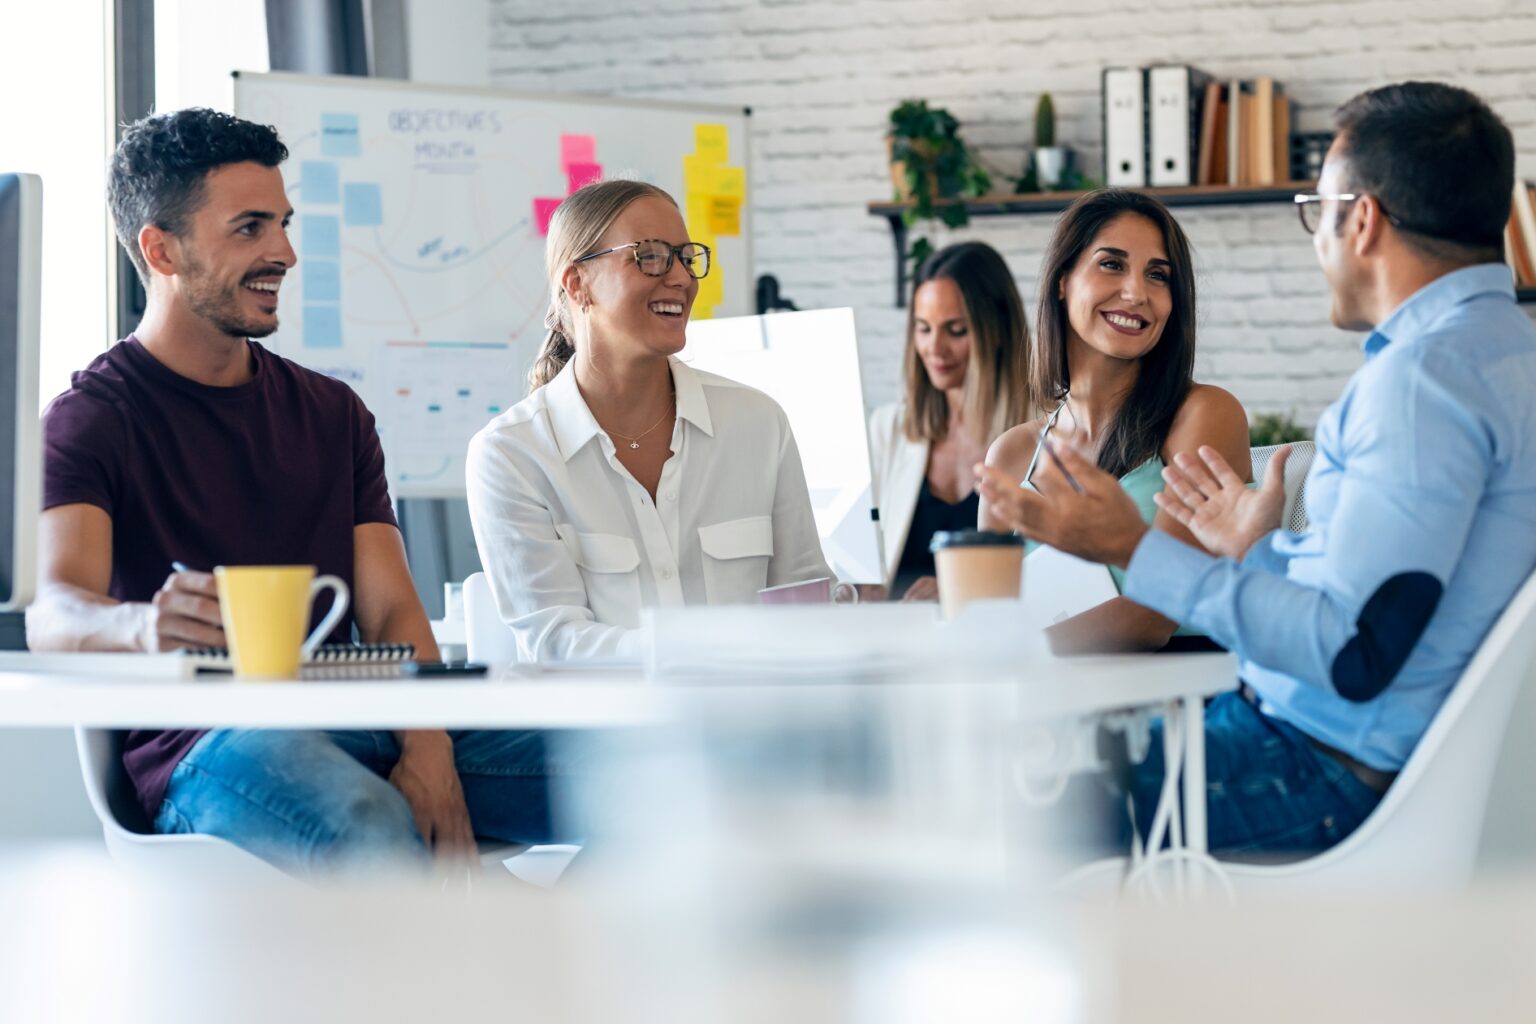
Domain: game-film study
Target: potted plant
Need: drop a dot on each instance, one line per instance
(931, 163)
(1275, 428)
(1050, 159)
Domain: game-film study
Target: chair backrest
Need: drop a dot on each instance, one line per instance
(1296, 470)
(1425, 831)
(486, 636)
(129, 835)
(106, 783)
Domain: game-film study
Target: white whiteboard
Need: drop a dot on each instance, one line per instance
(809, 363)
(418, 217)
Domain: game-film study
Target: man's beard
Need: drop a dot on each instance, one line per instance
(221, 306)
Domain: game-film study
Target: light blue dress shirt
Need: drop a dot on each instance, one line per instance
(1422, 503)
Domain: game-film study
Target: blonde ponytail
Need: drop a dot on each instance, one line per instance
(556, 351)
(575, 228)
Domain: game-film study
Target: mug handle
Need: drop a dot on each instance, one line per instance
(338, 609)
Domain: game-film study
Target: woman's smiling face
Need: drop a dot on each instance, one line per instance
(628, 306)
(1118, 294)
(941, 331)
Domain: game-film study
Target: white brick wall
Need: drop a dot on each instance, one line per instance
(821, 78)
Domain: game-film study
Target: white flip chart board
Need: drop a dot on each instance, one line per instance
(419, 218)
(809, 363)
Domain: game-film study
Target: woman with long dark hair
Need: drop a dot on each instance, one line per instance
(1113, 365)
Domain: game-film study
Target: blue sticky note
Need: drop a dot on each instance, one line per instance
(338, 135)
(322, 280)
(320, 236)
(319, 182)
(322, 326)
(363, 206)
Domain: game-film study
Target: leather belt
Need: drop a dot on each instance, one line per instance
(1374, 779)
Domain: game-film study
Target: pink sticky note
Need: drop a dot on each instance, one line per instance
(578, 175)
(543, 209)
(577, 149)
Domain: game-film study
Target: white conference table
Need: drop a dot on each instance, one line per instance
(105, 691)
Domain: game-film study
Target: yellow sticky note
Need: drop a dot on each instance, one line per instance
(721, 181)
(725, 215)
(712, 141)
(696, 211)
(696, 172)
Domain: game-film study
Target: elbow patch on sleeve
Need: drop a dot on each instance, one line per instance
(1389, 625)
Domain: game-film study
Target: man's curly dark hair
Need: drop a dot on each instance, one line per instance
(158, 173)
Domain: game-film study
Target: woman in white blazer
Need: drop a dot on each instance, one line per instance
(627, 479)
(966, 377)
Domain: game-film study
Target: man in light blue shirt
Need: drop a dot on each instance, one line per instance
(1422, 498)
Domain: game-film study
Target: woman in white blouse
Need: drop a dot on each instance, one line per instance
(627, 479)
(966, 375)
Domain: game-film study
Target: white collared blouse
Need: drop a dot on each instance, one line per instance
(573, 546)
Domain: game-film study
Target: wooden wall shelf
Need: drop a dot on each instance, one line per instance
(1055, 202)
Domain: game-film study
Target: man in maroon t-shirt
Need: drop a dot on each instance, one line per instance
(187, 442)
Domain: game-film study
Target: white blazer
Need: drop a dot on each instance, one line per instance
(574, 547)
(898, 466)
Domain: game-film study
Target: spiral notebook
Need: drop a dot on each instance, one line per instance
(351, 661)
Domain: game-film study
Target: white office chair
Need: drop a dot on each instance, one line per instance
(487, 637)
(133, 843)
(1296, 469)
(130, 839)
(1425, 832)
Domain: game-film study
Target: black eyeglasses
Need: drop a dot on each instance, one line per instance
(654, 257)
(1309, 206)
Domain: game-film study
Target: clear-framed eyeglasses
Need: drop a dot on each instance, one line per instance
(1309, 207)
(654, 257)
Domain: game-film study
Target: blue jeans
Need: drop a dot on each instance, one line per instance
(313, 803)
(1269, 792)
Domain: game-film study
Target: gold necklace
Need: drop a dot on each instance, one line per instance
(634, 442)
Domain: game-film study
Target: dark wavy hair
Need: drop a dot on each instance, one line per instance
(1440, 163)
(1167, 371)
(158, 173)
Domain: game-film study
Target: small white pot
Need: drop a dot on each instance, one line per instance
(1050, 162)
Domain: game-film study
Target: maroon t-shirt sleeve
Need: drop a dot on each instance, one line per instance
(370, 487)
(83, 452)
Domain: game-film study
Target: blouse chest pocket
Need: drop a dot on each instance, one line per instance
(736, 555)
(609, 564)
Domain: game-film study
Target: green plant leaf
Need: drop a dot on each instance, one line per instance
(920, 251)
(1275, 428)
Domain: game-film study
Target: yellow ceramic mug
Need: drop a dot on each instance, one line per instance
(265, 608)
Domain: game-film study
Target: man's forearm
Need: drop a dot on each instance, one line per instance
(407, 624)
(69, 618)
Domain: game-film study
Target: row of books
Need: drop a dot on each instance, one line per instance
(1177, 125)
(1520, 235)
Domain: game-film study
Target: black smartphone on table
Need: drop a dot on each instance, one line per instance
(439, 669)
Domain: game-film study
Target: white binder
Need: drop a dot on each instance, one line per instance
(1174, 94)
(1125, 130)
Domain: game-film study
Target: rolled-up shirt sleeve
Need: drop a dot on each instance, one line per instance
(536, 583)
(1415, 464)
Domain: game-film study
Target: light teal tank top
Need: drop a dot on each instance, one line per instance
(1140, 483)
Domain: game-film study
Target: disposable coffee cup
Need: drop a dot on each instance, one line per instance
(974, 565)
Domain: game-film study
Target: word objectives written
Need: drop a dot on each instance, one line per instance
(429, 125)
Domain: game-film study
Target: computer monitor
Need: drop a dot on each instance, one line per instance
(21, 454)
